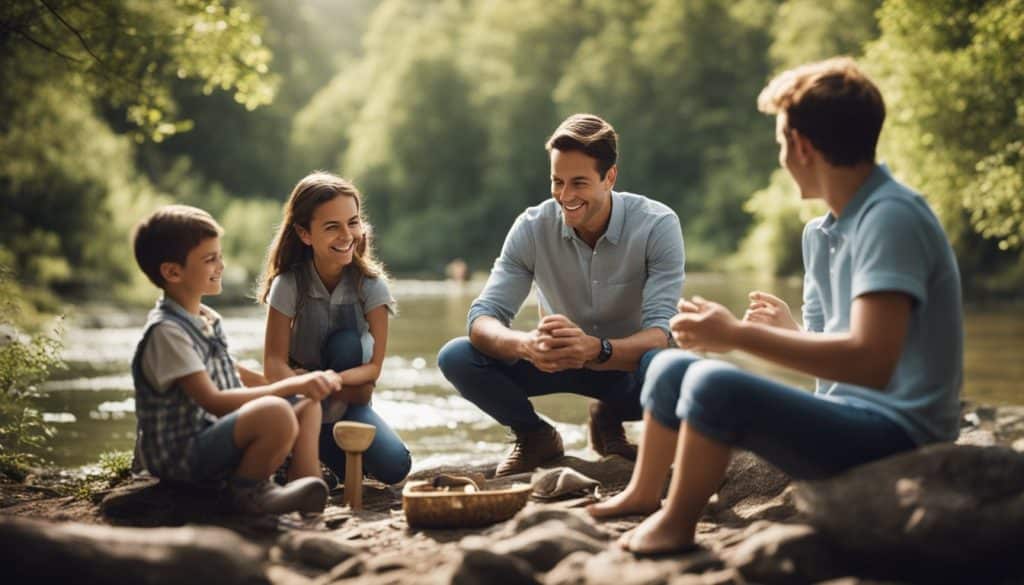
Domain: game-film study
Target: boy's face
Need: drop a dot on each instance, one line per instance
(585, 198)
(201, 274)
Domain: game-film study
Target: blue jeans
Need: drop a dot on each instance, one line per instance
(503, 390)
(808, 436)
(387, 459)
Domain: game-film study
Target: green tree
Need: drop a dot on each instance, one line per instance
(951, 72)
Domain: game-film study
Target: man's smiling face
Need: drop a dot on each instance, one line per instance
(585, 198)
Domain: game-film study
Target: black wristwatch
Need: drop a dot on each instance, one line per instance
(606, 351)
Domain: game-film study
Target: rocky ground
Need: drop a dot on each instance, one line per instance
(944, 514)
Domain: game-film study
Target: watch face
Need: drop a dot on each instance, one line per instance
(606, 351)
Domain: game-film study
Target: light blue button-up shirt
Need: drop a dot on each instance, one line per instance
(888, 239)
(629, 281)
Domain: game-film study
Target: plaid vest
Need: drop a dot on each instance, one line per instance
(169, 421)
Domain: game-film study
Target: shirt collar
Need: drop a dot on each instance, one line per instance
(879, 176)
(316, 288)
(615, 222)
(206, 325)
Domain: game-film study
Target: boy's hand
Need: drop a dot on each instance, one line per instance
(315, 385)
(703, 326)
(769, 310)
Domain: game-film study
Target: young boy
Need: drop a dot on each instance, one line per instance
(882, 328)
(196, 420)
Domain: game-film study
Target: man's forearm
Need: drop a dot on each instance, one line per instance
(493, 338)
(627, 351)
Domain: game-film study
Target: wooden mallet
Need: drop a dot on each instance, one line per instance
(354, 438)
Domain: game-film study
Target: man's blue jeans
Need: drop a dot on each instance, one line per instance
(503, 389)
(806, 435)
(387, 459)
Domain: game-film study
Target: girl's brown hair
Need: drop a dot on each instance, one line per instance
(288, 251)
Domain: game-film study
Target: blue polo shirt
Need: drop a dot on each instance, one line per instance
(888, 239)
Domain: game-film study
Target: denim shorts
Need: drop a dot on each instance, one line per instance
(215, 455)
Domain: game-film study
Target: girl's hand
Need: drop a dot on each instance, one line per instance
(702, 325)
(315, 385)
(769, 310)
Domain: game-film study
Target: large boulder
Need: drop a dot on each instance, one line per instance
(944, 512)
(36, 551)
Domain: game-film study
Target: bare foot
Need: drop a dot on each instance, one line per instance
(658, 534)
(624, 503)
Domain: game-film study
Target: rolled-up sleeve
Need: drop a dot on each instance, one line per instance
(510, 279)
(666, 260)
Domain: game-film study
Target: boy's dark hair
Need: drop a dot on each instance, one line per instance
(590, 135)
(168, 235)
(833, 104)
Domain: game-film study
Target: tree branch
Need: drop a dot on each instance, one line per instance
(74, 31)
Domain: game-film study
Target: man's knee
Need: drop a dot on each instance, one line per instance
(455, 357)
(710, 387)
(394, 465)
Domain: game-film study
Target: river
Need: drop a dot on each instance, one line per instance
(92, 409)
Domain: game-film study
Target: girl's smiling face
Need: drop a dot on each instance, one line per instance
(334, 233)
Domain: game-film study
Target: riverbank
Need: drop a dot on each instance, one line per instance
(952, 513)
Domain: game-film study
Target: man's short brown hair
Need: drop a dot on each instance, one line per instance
(590, 135)
(833, 104)
(168, 235)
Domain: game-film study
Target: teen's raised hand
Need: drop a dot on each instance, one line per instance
(769, 310)
(702, 325)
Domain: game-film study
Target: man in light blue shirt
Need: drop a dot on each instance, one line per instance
(608, 270)
(883, 328)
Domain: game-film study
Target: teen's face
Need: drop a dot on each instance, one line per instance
(334, 232)
(203, 268)
(585, 198)
(789, 158)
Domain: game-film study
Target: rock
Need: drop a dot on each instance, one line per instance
(787, 553)
(615, 567)
(977, 437)
(44, 552)
(570, 570)
(577, 521)
(350, 568)
(545, 545)
(944, 512)
(316, 549)
(750, 478)
(151, 502)
(483, 567)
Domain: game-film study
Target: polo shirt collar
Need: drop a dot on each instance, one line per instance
(878, 177)
(316, 288)
(615, 222)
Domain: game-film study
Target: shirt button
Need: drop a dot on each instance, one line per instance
(832, 250)
(595, 282)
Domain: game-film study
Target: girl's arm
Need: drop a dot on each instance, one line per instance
(275, 346)
(251, 378)
(368, 373)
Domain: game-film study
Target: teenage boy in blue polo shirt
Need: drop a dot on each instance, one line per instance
(882, 328)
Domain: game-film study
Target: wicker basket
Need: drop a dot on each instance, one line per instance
(428, 507)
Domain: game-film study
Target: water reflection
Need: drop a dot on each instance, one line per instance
(93, 410)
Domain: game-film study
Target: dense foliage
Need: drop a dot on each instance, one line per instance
(438, 109)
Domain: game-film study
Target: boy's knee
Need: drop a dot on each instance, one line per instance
(454, 357)
(273, 414)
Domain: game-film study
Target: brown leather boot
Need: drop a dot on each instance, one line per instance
(607, 436)
(530, 450)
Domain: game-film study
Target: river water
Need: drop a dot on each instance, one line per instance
(92, 409)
